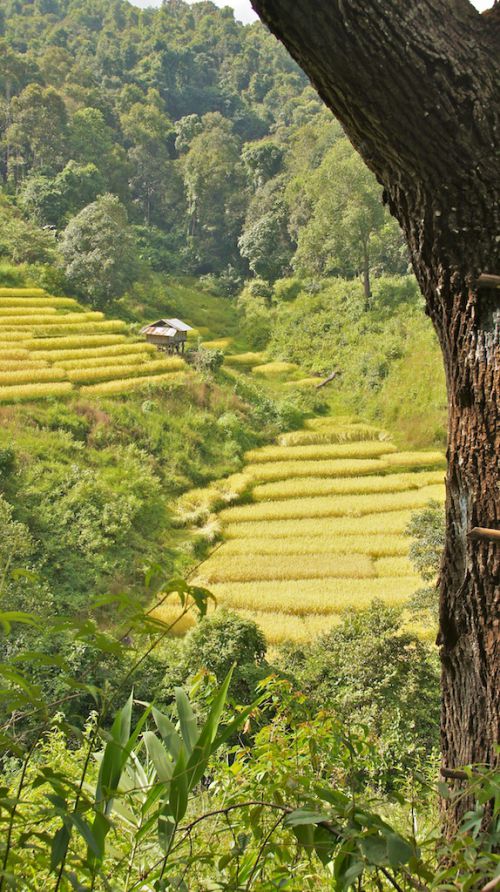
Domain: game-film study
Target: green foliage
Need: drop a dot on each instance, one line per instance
(99, 252)
(369, 667)
(225, 639)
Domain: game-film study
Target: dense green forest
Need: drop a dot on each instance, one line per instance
(220, 157)
(171, 162)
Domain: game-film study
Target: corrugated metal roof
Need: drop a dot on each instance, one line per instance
(178, 324)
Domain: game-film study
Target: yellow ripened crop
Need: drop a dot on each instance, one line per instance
(361, 449)
(269, 369)
(100, 361)
(9, 335)
(31, 376)
(308, 596)
(219, 344)
(57, 320)
(333, 506)
(35, 302)
(245, 358)
(303, 383)
(316, 486)
(332, 434)
(279, 627)
(20, 355)
(391, 522)
(20, 311)
(34, 391)
(394, 566)
(61, 330)
(376, 545)
(196, 504)
(417, 460)
(107, 373)
(287, 470)
(105, 352)
(21, 291)
(75, 341)
(14, 365)
(245, 568)
(123, 386)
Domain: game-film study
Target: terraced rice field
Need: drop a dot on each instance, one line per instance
(324, 530)
(50, 346)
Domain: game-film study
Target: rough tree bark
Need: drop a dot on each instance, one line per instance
(417, 89)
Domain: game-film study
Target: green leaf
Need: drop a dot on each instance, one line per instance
(303, 816)
(59, 846)
(189, 728)
(374, 849)
(398, 850)
(178, 800)
(204, 745)
(324, 844)
(157, 753)
(166, 827)
(168, 733)
(86, 833)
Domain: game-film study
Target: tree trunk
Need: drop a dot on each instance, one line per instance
(366, 278)
(416, 87)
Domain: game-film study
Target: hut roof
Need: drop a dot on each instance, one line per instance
(166, 328)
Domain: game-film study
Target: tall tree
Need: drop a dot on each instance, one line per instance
(416, 87)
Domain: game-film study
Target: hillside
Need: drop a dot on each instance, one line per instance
(321, 528)
(51, 346)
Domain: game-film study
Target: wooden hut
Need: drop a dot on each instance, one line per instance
(169, 335)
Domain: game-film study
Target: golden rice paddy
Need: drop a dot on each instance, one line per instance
(50, 346)
(324, 530)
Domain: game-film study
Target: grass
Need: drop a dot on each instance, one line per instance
(314, 596)
(244, 359)
(360, 449)
(272, 369)
(21, 392)
(318, 486)
(245, 568)
(126, 384)
(377, 545)
(332, 434)
(303, 383)
(370, 524)
(333, 506)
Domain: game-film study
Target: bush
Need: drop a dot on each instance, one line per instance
(224, 639)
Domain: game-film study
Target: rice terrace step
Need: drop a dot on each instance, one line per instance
(51, 346)
(324, 530)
